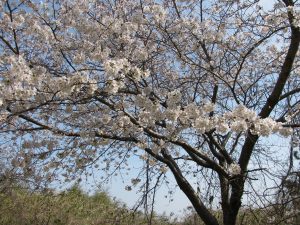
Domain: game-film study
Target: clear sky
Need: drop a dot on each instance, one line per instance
(116, 189)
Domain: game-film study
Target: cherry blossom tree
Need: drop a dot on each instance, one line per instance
(192, 87)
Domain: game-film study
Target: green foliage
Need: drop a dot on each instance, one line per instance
(18, 206)
(73, 207)
(249, 216)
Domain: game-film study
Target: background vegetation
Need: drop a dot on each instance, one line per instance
(20, 206)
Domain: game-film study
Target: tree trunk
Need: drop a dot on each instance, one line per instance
(207, 217)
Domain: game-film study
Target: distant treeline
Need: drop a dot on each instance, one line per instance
(21, 206)
(18, 206)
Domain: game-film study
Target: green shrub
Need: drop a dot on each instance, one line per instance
(73, 207)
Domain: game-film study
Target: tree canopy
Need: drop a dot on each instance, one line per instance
(189, 86)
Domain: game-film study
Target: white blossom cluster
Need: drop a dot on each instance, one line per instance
(21, 82)
(157, 12)
(118, 70)
(238, 120)
(243, 118)
(234, 169)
